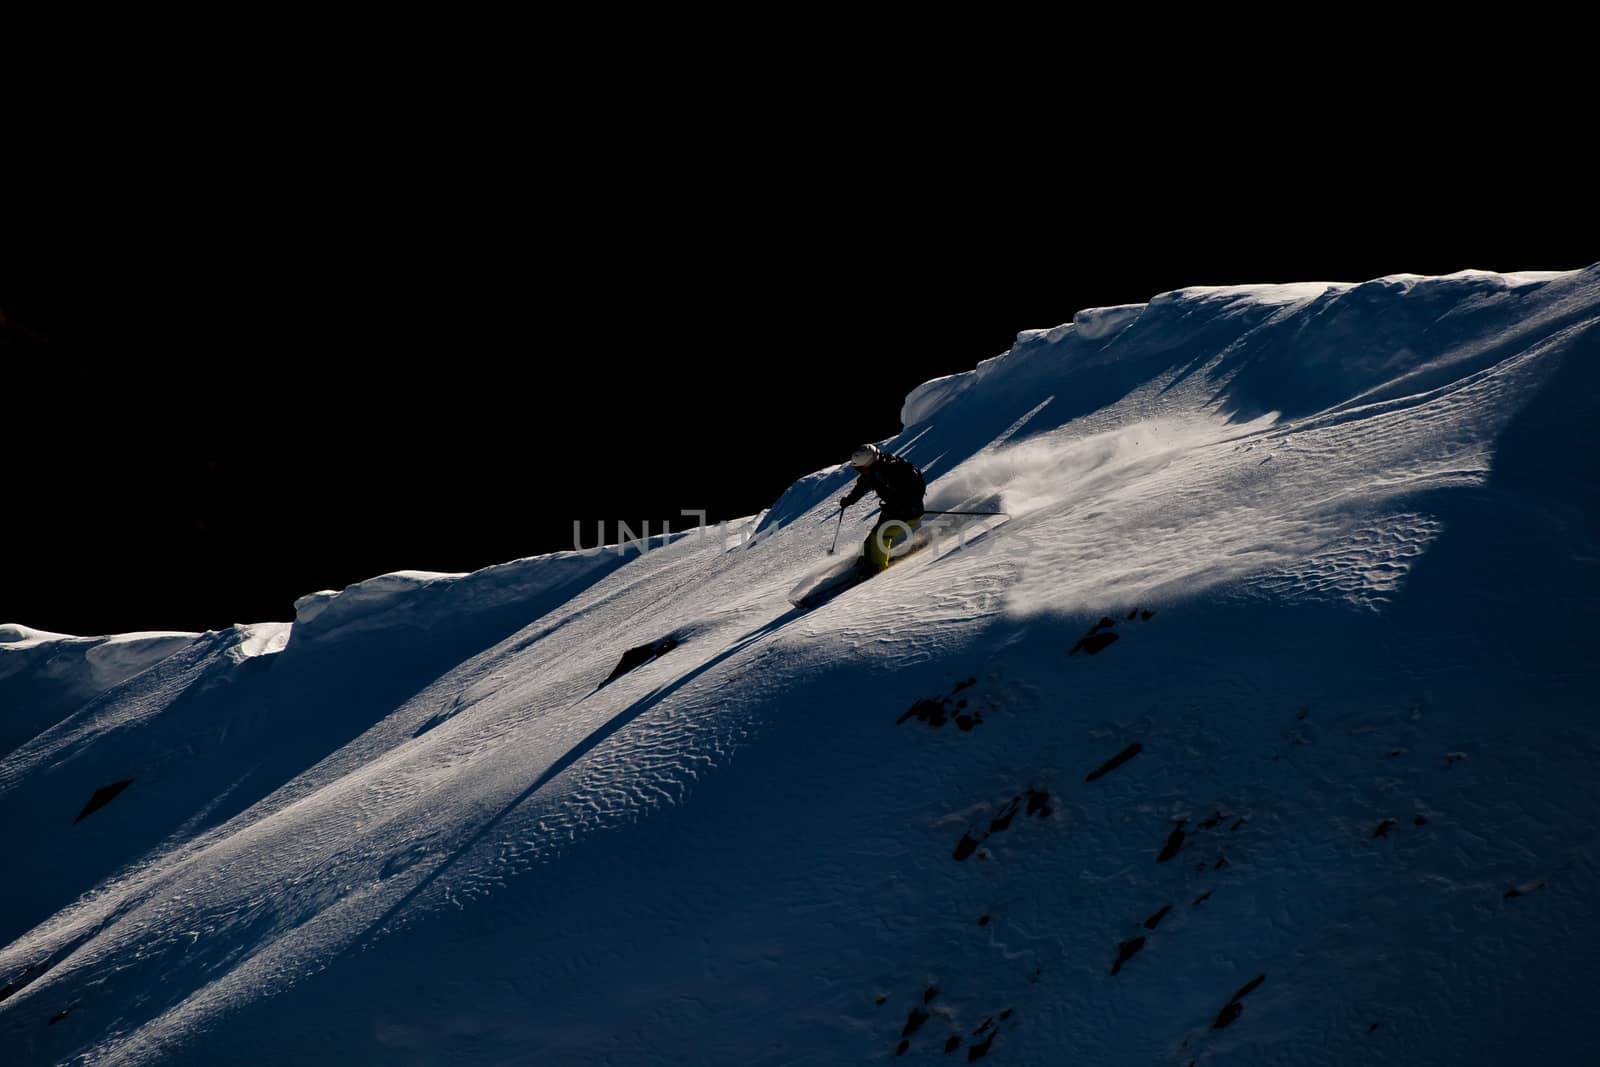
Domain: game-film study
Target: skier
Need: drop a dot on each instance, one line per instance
(899, 485)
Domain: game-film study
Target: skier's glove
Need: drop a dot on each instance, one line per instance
(844, 502)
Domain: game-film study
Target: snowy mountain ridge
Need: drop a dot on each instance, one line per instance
(1257, 680)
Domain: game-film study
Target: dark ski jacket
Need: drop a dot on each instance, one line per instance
(898, 484)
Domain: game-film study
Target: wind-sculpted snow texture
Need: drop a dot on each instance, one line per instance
(1261, 733)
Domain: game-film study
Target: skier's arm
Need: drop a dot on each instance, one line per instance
(855, 494)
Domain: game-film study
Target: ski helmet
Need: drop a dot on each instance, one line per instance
(864, 456)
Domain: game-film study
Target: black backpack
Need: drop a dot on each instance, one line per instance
(901, 478)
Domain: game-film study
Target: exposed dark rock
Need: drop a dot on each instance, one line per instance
(1092, 645)
(1155, 920)
(936, 711)
(437, 720)
(1250, 987)
(1003, 820)
(1126, 951)
(102, 796)
(914, 1021)
(952, 1043)
(978, 1052)
(1115, 761)
(1234, 1009)
(29, 973)
(1039, 803)
(1095, 639)
(639, 655)
(1173, 845)
(931, 712)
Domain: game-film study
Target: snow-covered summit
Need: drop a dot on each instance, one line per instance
(44, 676)
(1256, 735)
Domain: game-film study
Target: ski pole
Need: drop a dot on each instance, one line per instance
(836, 530)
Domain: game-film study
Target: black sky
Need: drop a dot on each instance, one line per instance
(230, 384)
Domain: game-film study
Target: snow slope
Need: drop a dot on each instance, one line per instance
(1279, 670)
(45, 676)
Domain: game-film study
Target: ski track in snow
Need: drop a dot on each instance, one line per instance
(422, 826)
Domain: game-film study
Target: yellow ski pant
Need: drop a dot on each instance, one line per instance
(886, 536)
